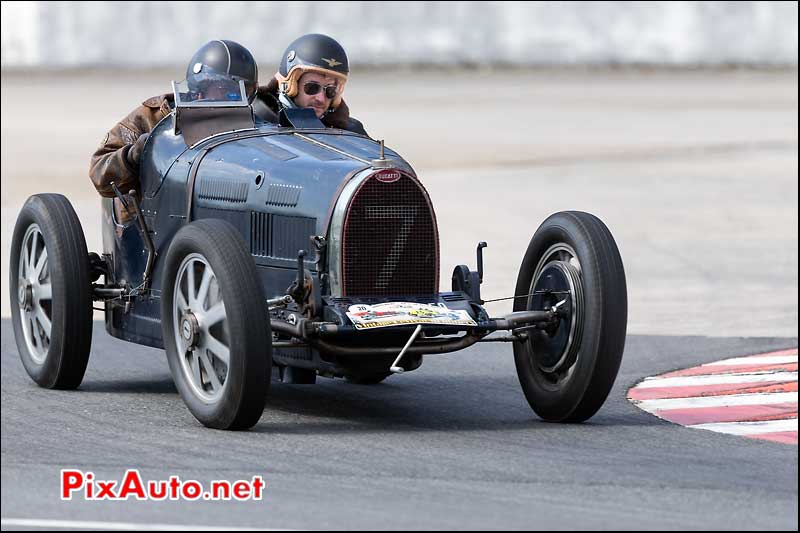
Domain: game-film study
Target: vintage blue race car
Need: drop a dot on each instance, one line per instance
(256, 246)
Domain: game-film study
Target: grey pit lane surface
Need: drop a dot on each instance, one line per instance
(451, 445)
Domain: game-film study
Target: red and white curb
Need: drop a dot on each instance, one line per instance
(753, 396)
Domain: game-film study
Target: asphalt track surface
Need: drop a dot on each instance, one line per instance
(451, 445)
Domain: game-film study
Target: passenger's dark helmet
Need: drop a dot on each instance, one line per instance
(312, 53)
(223, 57)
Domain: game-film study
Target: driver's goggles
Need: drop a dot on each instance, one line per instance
(312, 87)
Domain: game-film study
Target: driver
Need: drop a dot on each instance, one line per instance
(312, 74)
(117, 158)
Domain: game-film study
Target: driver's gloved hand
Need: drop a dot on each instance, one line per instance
(135, 151)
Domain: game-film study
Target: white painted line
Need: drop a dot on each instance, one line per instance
(717, 401)
(117, 526)
(750, 428)
(717, 379)
(756, 360)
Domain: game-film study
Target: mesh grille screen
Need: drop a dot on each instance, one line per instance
(390, 245)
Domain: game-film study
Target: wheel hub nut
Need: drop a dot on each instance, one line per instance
(190, 329)
(25, 296)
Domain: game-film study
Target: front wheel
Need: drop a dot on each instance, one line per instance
(567, 369)
(50, 289)
(215, 325)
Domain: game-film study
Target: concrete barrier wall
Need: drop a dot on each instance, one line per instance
(155, 34)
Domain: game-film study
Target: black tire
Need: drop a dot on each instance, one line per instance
(49, 231)
(226, 313)
(574, 387)
(367, 379)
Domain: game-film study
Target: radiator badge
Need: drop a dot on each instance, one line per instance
(388, 176)
(405, 313)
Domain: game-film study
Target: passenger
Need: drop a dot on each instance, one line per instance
(117, 158)
(312, 74)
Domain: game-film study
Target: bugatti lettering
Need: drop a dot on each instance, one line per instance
(387, 176)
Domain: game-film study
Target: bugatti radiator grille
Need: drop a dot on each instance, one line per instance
(390, 245)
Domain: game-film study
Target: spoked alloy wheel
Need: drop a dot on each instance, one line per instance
(35, 295)
(202, 333)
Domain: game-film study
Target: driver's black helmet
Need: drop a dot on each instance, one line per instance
(226, 58)
(317, 53)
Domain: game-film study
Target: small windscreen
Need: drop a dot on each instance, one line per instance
(211, 90)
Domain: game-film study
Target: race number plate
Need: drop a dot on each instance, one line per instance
(383, 315)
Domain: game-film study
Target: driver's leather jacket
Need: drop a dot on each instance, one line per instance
(109, 162)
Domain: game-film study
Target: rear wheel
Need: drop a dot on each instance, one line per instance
(50, 289)
(567, 369)
(215, 325)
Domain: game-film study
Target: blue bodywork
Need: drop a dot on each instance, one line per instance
(288, 178)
